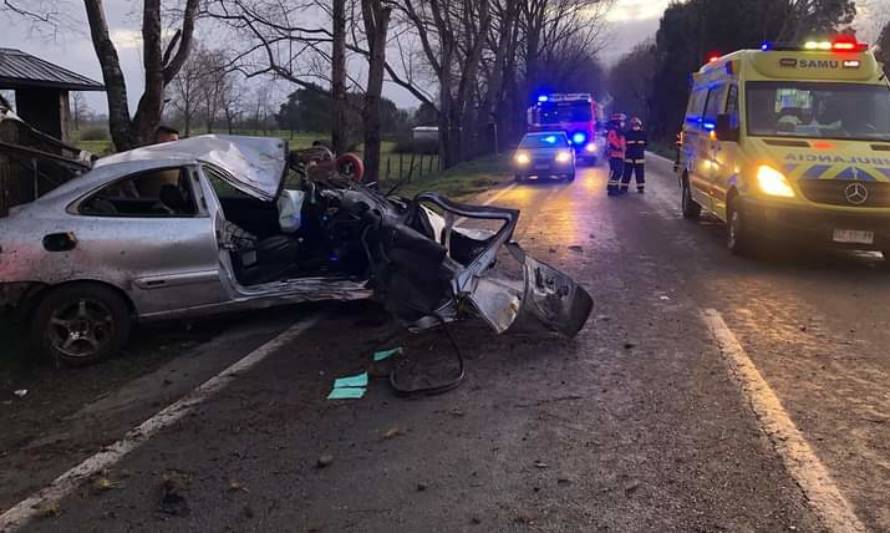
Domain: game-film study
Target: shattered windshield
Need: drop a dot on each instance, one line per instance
(818, 110)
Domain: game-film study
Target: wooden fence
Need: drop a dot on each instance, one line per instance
(398, 167)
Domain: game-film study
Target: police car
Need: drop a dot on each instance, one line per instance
(546, 154)
(791, 143)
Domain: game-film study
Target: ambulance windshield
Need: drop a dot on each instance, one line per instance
(818, 110)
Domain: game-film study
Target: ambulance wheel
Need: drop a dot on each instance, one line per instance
(691, 210)
(570, 177)
(738, 236)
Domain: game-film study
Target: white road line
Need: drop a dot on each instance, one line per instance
(497, 196)
(62, 486)
(800, 461)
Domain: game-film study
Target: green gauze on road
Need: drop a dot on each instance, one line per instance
(386, 354)
(359, 380)
(347, 393)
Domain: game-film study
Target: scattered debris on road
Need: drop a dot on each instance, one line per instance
(383, 355)
(172, 500)
(324, 461)
(350, 387)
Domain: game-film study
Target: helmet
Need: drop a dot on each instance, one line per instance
(636, 122)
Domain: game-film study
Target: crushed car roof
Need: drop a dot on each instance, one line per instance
(258, 163)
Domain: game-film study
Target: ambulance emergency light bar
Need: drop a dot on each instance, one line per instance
(841, 43)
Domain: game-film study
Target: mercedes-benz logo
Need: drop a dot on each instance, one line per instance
(856, 193)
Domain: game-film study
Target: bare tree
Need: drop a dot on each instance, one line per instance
(79, 109)
(161, 65)
(452, 35)
(215, 76)
(185, 90)
(232, 102)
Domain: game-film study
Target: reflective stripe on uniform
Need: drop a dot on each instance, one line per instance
(635, 161)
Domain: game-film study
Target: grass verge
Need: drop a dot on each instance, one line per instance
(466, 179)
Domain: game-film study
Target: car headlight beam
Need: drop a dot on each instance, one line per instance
(563, 156)
(522, 158)
(773, 183)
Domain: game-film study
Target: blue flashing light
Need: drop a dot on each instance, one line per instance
(579, 137)
(550, 139)
(710, 126)
(543, 98)
(766, 46)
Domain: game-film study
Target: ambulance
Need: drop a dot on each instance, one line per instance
(790, 143)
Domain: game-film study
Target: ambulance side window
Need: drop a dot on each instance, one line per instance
(732, 105)
(715, 103)
(696, 104)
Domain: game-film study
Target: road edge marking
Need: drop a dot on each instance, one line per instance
(23, 512)
(801, 462)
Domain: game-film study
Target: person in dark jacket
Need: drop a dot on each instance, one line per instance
(615, 149)
(635, 156)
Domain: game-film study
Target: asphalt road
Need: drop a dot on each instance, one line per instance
(640, 423)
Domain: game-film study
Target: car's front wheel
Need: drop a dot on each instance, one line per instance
(738, 234)
(691, 210)
(81, 324)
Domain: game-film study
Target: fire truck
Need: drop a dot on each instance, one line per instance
(575, 114)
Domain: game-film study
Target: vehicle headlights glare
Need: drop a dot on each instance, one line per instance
(563, 156)
(773, 183)
(522, 158)
(590, 148)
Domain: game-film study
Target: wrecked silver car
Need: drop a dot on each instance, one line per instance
(221, 223)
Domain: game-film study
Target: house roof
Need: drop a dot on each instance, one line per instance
(20, 70)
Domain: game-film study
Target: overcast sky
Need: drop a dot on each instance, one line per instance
(629, 23)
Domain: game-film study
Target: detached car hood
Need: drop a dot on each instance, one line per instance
(255, 165)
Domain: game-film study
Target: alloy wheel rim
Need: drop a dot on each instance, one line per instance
(80, 328)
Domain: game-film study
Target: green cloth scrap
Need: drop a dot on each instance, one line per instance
(347, 393)
(386, 354)
(359, 380)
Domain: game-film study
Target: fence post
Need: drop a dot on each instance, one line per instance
(388, 161)
(420, 172)
(411, 167)
(430, 169)
(401, 160)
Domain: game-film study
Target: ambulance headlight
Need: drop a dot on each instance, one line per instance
(522, 158)
(563, 156)
(773, 183)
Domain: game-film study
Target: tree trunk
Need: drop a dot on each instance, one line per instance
(376, 19)
(338, 75)
(112, 75)
(151, 105)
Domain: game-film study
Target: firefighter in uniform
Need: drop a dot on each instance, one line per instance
(635, 156)
(616, 146)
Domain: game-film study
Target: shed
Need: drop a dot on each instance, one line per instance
(41, 90)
